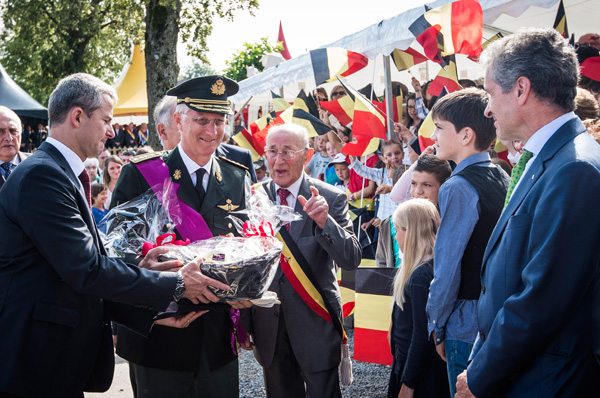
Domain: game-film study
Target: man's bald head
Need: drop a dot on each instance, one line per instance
(10, 134)
(593, 39)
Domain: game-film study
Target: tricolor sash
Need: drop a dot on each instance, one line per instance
(130, 134)
(188, 222)
(296, 269)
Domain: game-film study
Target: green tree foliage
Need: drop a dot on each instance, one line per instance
(43, 41)
(197, 69)
(250, 55)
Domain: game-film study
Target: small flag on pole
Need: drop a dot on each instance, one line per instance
(332, 61)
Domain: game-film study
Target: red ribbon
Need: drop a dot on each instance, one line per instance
(264, 229)
(160, 241)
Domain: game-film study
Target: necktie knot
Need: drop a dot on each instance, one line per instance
(6, 169)
(283, 194)
(516, 174)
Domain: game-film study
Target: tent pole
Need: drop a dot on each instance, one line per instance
(237, 114)
(389, 97)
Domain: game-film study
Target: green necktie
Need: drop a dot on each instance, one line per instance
(516, 173)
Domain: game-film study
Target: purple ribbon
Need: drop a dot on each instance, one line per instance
(237, 329)
(189, 223)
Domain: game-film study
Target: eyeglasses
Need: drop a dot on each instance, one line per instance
(338, 93)
(411, 107)
(286, 154)
(202, 121)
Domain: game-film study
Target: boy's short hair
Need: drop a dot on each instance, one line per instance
(431, 164)
(466, 108)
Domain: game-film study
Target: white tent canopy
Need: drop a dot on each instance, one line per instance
(382, 38)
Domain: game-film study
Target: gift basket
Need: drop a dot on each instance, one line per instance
(247, 264)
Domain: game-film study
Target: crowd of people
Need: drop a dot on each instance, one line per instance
(497, 268)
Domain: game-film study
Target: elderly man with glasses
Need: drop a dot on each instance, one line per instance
(298, 346)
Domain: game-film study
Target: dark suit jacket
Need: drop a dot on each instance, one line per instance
(180, 349)
(237, 154)
(128, 140)
(22, 156)
(117, 141)
(54, 330)
(540, 269)
(314, 340)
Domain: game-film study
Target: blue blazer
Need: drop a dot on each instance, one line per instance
(539, 277)
(55, 337)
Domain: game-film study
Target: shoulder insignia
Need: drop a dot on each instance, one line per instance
(218, 176)
(145, 156)
(234, 162)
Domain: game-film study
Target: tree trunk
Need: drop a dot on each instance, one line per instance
(162, 29)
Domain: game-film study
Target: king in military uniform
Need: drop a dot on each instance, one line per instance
(198, 360)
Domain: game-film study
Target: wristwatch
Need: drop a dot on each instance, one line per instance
(179, 288)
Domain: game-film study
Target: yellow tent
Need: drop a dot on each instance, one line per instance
(131, 87)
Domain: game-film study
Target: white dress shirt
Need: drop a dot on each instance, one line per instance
(192, 167)
(293, 196)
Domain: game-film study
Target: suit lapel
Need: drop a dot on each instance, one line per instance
(180, 174)
(84, 209)
(215, 187)
(566, 133)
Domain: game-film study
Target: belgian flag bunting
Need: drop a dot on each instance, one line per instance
(447, 77)
(560, 23)
(245, 140)
(332, 61)
(342, 109)
(404, 59)
(279, 104)
(455, 28)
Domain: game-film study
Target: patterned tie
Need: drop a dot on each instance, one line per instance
(6, 168)
(516, 173)
(199, 188)
(283, 194)
(85, 181)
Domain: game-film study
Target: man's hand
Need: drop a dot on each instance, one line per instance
(462, 388)
(240, 305)
(151, 261)
(181, 321)
(196, 283)
(246, 344)
(316, 207)
(364, 226)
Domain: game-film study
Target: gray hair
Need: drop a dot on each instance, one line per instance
(164, 110)
(77, 90)
(182, 109)
(298, 133)
(93, 161)
(541, 55)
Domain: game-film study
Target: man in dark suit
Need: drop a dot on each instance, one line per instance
(538, 309)
(10, 142)
(198, 361)
(299, 350)
(119, 138)
(130, 137)
(55, 337)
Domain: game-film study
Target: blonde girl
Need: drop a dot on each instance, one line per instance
(417, 370)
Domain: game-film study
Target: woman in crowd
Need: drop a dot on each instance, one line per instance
(417, 369)
(91, 166)
(99, 197)
(111, 173)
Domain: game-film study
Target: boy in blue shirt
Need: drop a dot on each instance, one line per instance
(470, 202)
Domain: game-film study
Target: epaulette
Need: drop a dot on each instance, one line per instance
(234, 162)
(145, 156)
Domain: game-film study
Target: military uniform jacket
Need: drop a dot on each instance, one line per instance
(180, 349)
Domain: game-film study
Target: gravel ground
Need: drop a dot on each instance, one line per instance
(370, 380)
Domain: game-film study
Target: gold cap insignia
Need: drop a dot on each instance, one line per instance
(218, 88)
(228, 206)
(218, 176)
(177, 174)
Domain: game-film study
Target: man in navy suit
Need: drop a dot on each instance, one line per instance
(538, 309)
(55, 337)
(10, 142)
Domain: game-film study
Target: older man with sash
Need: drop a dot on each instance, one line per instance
(199, 361)
(299, 342)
